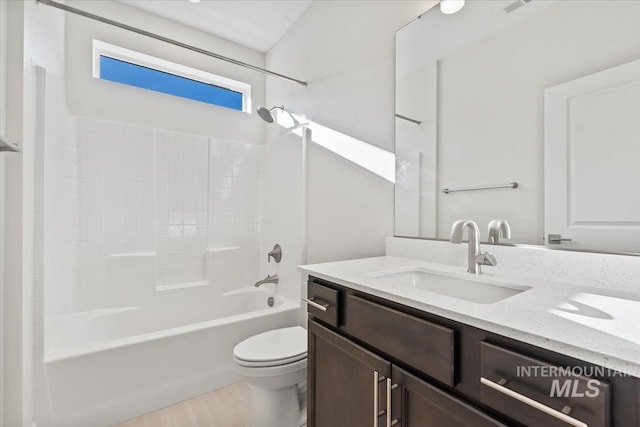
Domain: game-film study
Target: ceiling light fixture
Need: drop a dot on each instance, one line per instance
(449, 7)
(194, 1)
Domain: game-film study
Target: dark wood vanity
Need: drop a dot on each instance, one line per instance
(373, 362)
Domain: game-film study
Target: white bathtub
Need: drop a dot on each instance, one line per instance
(110, 365)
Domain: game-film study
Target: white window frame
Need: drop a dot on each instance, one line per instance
(101, 48)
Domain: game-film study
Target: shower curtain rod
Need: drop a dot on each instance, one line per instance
(104, 20)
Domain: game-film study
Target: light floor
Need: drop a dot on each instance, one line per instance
(225, 407)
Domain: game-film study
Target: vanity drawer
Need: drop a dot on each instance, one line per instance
(538, 393)
(323, 302)
(418, 343)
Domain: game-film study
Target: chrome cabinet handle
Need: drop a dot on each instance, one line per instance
(534, 404)
(388, 402)
(376, 380)
(390, 387)
(314, 303)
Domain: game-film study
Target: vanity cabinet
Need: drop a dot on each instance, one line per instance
(374, 362)
(351, 386)
(345, 382)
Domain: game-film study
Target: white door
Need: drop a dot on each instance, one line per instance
(592, 160)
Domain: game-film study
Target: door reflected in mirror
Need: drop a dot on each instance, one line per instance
(527, 114)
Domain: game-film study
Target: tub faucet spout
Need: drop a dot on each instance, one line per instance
(268, 279)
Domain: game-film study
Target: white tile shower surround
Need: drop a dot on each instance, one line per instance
(60, 210)
(546, 315)
(160, 210)
(110, 258)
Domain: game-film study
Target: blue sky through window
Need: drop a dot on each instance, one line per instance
(147, 78)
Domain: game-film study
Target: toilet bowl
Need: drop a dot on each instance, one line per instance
(274, 365)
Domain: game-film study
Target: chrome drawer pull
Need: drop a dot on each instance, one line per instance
(376, 410)
(313, 303)
(534, 404)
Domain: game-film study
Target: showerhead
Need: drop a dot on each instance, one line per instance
(265, 113)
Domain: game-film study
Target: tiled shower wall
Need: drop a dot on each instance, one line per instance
(181, 207)
(159, 210)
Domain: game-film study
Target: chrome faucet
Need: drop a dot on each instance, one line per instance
(476, 258)
(268, 279)
(499, 228)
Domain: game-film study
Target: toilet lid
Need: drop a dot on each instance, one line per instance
(270, 348)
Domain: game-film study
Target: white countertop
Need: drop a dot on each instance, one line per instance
(596, 325)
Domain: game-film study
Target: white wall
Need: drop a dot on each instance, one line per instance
(345, 50)
(90, 97)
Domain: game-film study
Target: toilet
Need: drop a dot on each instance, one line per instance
(274, 365)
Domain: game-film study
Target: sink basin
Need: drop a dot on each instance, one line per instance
(476, 289)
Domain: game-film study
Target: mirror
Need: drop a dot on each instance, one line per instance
(526, 111)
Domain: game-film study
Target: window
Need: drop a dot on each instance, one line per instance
(125, 66)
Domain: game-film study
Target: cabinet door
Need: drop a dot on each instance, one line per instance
(416, 403)
(344, 381)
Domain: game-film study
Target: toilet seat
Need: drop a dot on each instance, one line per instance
(266, 364)
(272, 348)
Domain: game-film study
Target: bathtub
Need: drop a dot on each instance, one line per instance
(107, 366)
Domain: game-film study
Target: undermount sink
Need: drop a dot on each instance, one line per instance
(476, 289)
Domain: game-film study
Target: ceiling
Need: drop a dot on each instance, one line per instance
(256, 24)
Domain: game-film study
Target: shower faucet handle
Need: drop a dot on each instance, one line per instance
(276, 254)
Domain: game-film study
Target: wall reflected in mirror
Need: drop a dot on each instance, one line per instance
(545, 94)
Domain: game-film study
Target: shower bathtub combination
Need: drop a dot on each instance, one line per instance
(149, 288)
(130, 329)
